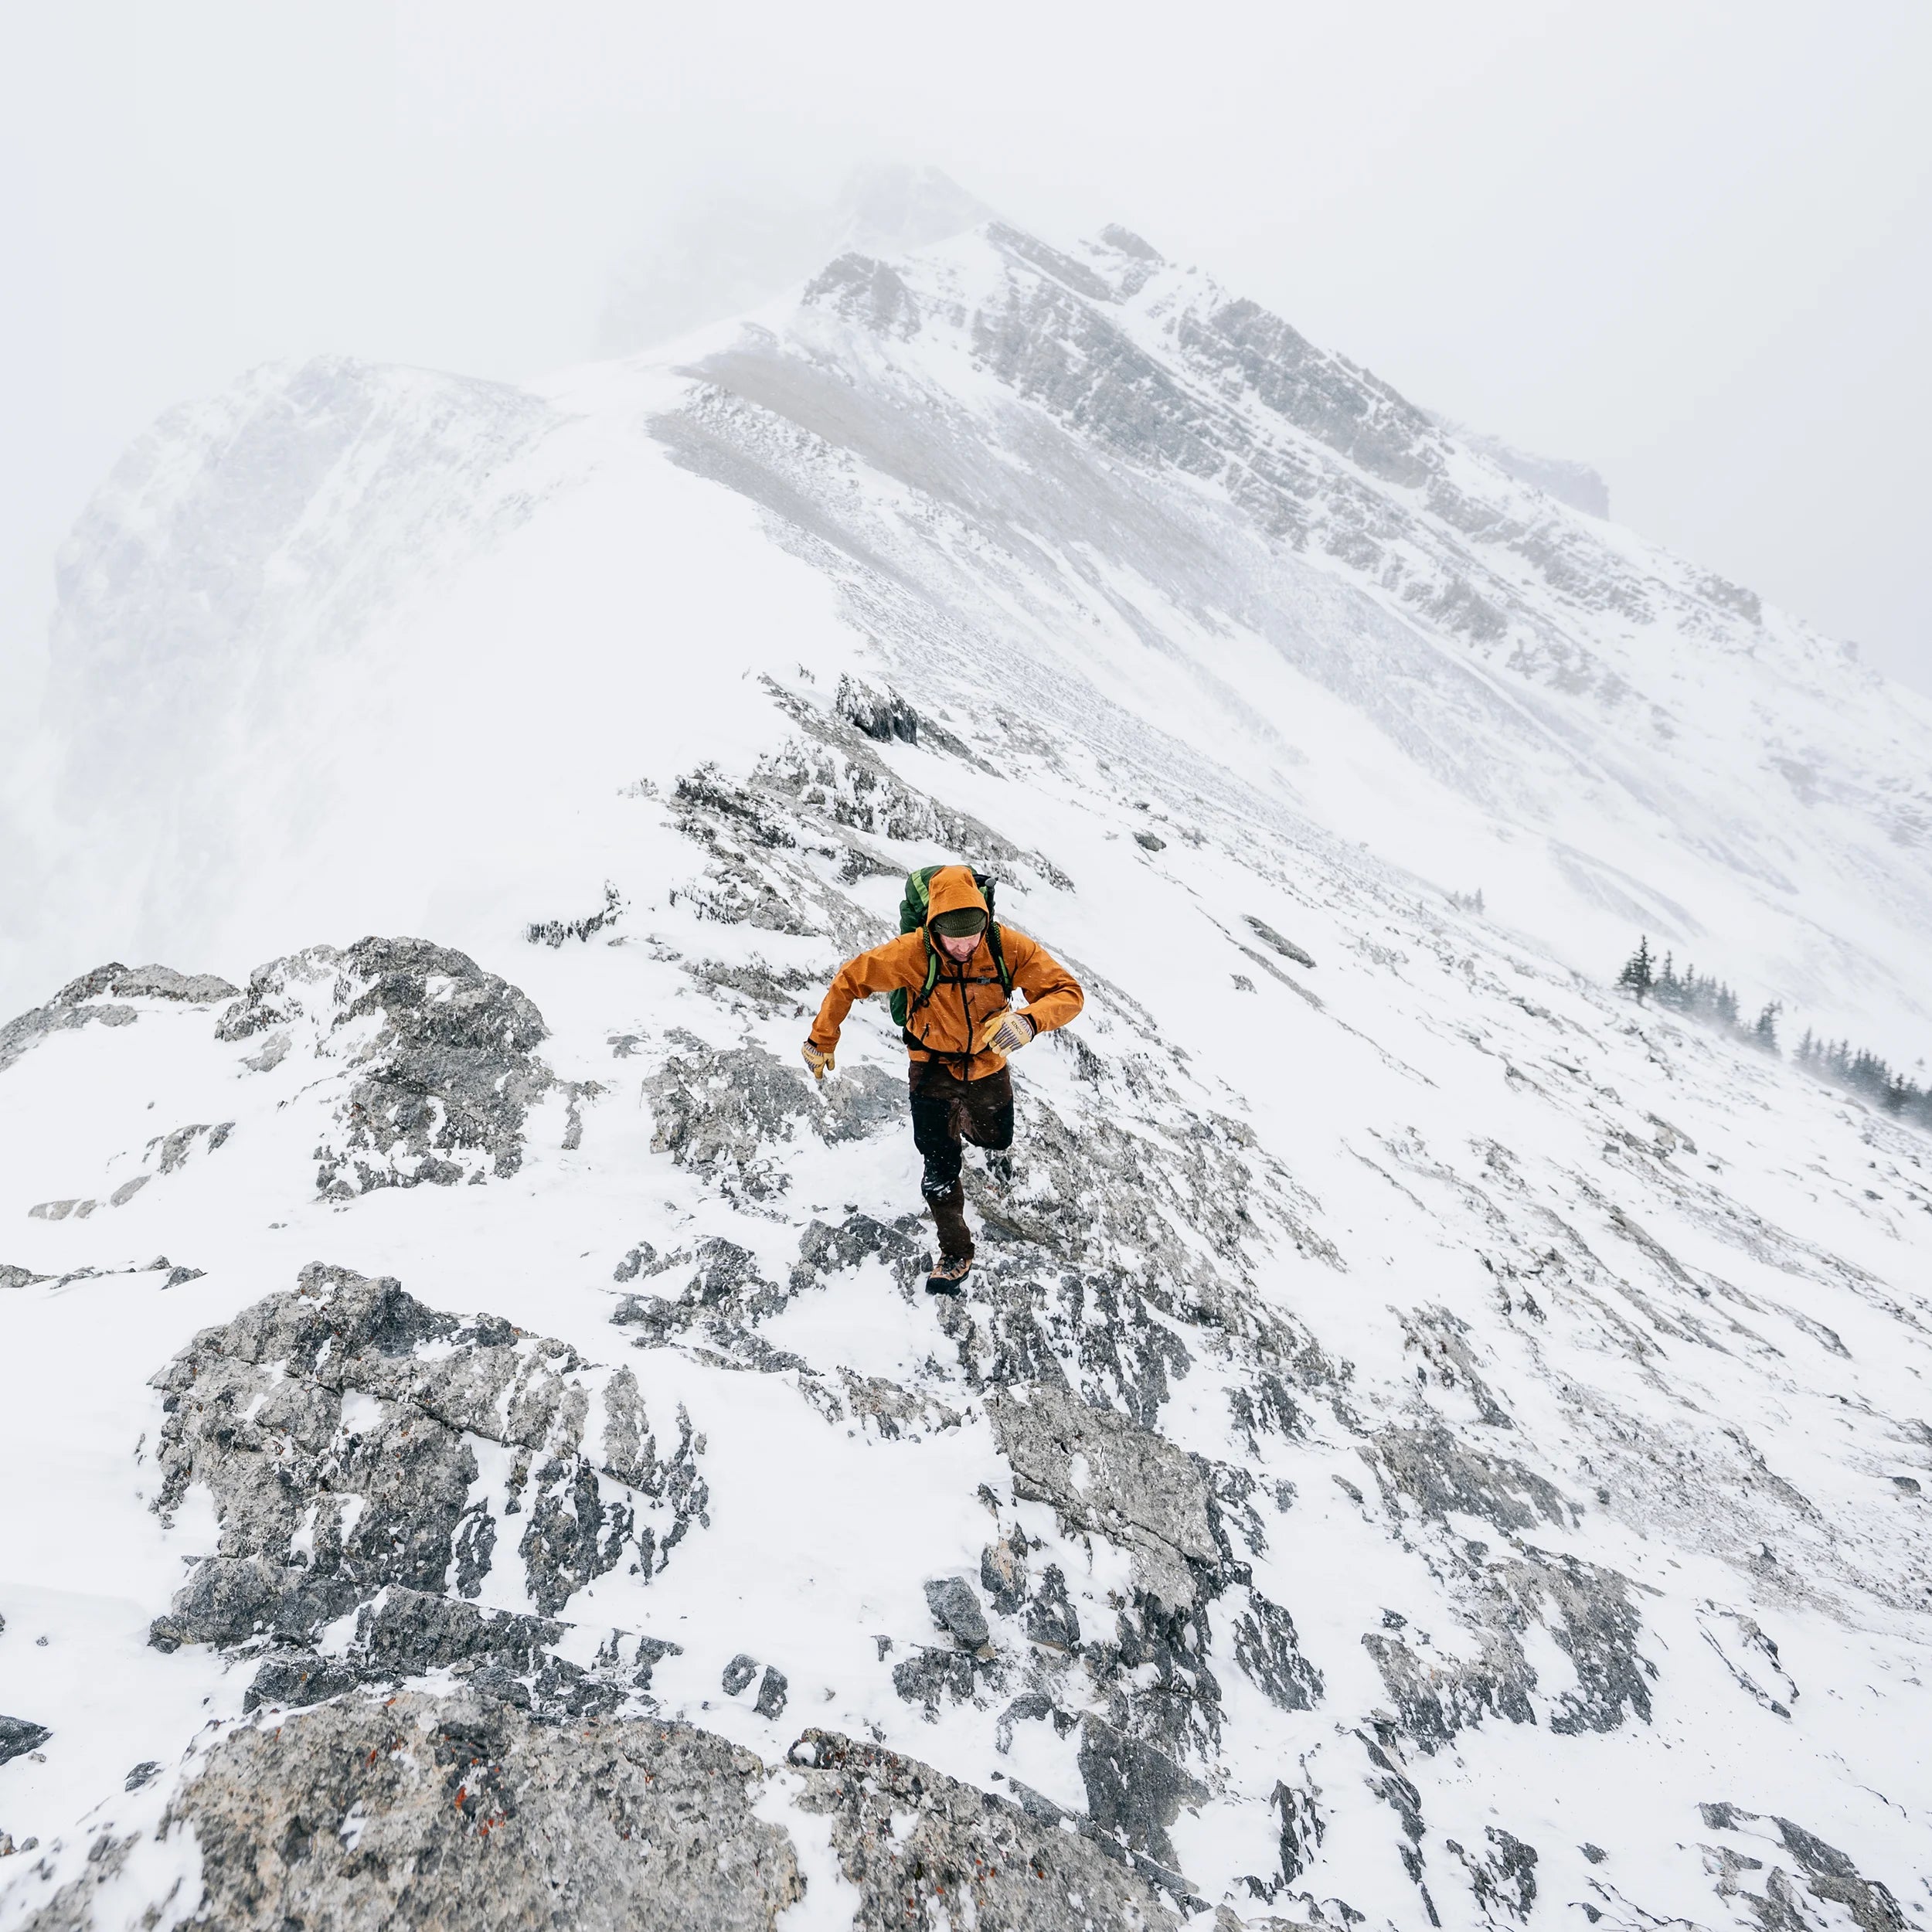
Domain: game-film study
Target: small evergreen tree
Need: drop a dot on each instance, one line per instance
(1764, 1033)
(1668, 988)
(1639, 974)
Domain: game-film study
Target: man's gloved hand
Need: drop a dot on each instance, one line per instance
(820, 1063)
(1005, 1033)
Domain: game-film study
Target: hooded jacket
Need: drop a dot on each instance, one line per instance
(964, 995)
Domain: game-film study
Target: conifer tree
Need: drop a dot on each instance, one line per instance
(1764, 1033)
(1668, 988)
(1639, 973)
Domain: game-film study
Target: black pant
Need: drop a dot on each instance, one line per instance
(947, 1110)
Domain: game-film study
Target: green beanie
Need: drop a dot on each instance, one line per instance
(961, 923)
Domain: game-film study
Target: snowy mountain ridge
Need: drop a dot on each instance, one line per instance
(1427, 1443)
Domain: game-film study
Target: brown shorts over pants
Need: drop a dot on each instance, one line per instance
(947, 1112)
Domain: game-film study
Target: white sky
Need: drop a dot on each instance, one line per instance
(1689, 243)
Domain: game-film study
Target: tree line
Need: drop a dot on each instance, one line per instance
(1702, 996)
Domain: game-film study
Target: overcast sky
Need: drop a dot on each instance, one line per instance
(1689, 243)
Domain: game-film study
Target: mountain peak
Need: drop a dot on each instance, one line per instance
(1399, 1374)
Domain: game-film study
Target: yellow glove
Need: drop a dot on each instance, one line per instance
(1007, 1032)
(820, 1063)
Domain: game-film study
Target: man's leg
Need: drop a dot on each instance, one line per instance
(986, 1108)
(936, 1129)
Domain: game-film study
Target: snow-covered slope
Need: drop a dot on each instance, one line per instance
(342, 594)
(1427, 1443)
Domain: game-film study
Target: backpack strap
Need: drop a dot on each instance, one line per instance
(999, 952)
(932, 978)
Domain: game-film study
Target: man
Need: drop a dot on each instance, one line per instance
(959, 1034)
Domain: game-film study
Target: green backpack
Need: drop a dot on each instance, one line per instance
(912, 919)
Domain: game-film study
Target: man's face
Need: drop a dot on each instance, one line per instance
(958, 950)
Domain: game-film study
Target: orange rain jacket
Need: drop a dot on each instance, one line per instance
(964, 997)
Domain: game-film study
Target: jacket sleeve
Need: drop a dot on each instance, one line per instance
(880, 970)
(1053, 995)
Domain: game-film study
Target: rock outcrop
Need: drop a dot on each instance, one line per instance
(443, 1057)
(460, 1810)
(371, 1458)
(106, 997)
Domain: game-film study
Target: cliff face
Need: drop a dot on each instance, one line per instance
(1426, 1442)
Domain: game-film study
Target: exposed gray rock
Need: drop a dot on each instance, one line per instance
(726, 1112)
(1286, 948)
(1829, 1875)
(90, 1000)
(1153, 1676)
(1135, 1790)
(927, 1853)
(443, 1056)
(1303, 1826)
(1002, 1573)
(1502, 1876)
(1751, 1656)
(146, 982)
(1591, 1613)
(860, 1100)
(1267, 1648)
(168, 1152)
(642, 1259)
(1428, 1467)
(825, 1251)
(1389, 1783)
(729, 1113)
(18, 1737)
(956, 1610)
(1588, 1611)
(330, 1425)
(883, 714)
(1136, 1487)
(1051, 1618)
(1438, 1696)
(931, 1676)
(554, 932)
(460, 1811)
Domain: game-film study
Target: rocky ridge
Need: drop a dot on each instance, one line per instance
(421, 1518)
(1425, 1442)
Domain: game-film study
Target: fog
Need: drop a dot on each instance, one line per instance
(1687, 244)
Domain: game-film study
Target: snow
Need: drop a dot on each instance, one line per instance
(1648, 1233)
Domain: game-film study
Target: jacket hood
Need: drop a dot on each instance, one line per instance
(952, 890)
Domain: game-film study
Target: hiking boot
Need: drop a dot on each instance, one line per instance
(949, 1277)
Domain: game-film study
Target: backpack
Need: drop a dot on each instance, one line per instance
(912, 919)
